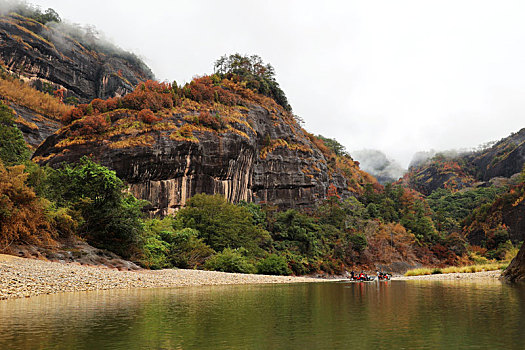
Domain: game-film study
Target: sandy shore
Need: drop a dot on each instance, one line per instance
(20, 277)
(485, 275)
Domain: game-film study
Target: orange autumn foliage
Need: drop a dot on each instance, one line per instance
(22, 216)
(147, 116)
(90, 125)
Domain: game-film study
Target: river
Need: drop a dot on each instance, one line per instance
(384, 315)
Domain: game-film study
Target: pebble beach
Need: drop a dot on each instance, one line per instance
(484, 275)
(22, 278)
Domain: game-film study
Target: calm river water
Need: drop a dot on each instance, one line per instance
(390, 315)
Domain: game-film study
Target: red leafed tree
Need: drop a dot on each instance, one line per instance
(332, 192)
(59, 93)
(91, 125)
(147, 116)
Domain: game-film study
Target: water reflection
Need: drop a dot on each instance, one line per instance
(307, 316)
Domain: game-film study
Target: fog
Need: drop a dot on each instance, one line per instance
(396, 76)
(378, 164)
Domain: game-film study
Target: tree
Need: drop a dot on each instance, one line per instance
(22, 216)
(255, 73)
(221, 224)
(334, 145)
(111, 217)
(13, 148)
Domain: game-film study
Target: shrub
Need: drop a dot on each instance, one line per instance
(229, 260)
(22, 217)
(64, 220)
(221, 224)
(149, 95)
(187, 251)
(213, 122)
(299, 265)
(13, 148)
(147, 116)
(358, 242)
(112, 218)
(90, 125)
(154, 253)
(273, 265)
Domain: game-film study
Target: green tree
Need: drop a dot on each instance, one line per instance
(221, 224)
(296, 231)
(111, 217)
(255, 73)
(13, 148)
(334, 145)
(273, 265)
(230, 260)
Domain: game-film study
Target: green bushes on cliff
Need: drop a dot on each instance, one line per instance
(14, 149)
(256, 74)
(33, 12)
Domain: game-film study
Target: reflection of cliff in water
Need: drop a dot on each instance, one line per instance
(325, 315)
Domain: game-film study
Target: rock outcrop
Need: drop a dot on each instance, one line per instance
(51, 58)
(515, 272)
(502, 160)
(257, 154)
(34, 126)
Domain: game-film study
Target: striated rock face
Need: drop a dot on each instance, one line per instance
(261, 156)
(48, 55)
(515, 272)
(35, 127)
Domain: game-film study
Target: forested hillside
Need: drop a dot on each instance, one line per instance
(218, 174)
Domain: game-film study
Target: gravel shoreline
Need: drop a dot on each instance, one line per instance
(23, 278)
(484, 275)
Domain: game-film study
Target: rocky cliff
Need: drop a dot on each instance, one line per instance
(57, 56)
(251, 150)
(34, 126)
(515, 272)
(502, 160)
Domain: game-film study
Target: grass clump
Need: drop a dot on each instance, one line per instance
(459, 269)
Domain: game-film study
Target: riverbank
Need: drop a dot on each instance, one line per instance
(484, 275)
(22, 277)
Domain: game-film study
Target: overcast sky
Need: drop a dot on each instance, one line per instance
(398, 76)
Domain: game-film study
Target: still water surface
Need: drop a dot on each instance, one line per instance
(389, 315)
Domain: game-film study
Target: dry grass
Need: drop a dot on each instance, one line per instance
(280, 143)
(136, 141)
(20, 93)
(459, 269)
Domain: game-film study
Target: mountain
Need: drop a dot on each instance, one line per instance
(497, 222)
(61, 57)
(211, 136)
(375, 162)
(496, 163)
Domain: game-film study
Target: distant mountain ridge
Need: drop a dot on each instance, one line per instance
(504, 159)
